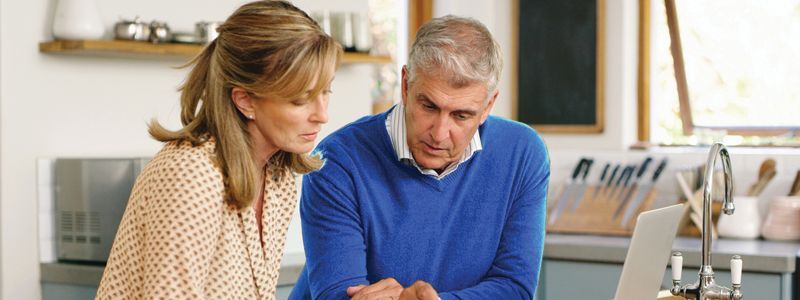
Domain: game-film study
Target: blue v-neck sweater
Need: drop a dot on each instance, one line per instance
(476, 234)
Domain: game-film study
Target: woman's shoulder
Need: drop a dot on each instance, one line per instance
(184, 154)
(185, 162)
(183, 171)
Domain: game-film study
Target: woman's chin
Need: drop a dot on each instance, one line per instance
(299, 149)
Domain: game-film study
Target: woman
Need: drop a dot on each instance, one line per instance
(207, 217)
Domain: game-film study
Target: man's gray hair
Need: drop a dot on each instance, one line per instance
(459, 49)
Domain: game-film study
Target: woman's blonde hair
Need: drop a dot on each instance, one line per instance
(267, 48)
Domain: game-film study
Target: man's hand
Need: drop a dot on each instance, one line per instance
(384, 289)
(420, 290)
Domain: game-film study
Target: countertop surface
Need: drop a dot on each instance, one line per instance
(757, 255)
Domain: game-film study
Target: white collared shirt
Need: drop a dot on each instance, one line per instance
(396, 126)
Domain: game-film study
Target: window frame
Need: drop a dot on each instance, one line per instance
(419, 12)
(643, 93)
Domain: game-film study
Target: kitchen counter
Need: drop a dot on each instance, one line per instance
(758, 256)
(89, 275)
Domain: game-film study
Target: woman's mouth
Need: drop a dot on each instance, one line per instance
(310, 136)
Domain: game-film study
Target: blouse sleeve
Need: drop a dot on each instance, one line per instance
(180, 225)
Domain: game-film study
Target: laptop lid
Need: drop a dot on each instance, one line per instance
(648, 253)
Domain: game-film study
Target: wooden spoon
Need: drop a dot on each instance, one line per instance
(762, 182)
(766, 166)
(795, 191)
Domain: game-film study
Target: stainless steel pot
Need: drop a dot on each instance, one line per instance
(207, 31)
(159, 32)
(136, 30)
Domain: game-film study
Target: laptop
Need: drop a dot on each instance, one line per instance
(648, 253)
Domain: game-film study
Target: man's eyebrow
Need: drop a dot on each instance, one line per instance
(423, 97)
(466, 111)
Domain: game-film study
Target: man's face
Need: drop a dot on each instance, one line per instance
(441, 119)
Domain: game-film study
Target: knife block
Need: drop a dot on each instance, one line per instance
(595, 214)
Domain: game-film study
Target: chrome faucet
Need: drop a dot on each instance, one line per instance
(705, 288)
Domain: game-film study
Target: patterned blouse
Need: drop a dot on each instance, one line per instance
(179, 240)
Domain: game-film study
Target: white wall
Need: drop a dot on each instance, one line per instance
(70, 106)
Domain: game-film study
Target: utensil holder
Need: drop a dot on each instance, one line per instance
(595, 215)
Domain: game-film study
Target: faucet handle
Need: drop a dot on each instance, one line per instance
(676, 261)
(677, 265)
(736, 270)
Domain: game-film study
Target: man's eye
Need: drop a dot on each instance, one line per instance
(428, 106)
(461, 117)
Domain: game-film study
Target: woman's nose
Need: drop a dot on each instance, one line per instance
(320, 113)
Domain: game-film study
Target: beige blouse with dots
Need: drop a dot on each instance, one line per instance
(179, 240)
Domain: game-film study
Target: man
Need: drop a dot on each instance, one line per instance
(434, 192)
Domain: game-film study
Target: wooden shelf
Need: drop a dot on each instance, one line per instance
(119, 48)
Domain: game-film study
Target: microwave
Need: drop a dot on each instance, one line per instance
(90, 198)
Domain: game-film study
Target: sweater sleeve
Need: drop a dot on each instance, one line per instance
(332, 233)
(514, 273)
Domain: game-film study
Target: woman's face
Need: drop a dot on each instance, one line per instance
(291, 125)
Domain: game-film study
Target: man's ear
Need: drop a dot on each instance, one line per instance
(490, 105)
(243, 102)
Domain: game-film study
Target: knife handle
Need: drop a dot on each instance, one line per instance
(628, 175)
(643, 167)
(625, 173)
(587, 165)
(659, 169)
(578, 168)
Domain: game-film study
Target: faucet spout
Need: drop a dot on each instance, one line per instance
(705, 288)
(718, 150)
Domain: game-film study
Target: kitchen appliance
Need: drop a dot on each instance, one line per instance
(90, 198)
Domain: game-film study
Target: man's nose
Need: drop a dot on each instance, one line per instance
(441, 129)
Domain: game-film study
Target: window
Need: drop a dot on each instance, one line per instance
(741, 60)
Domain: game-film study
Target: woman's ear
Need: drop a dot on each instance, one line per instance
(243, 102)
